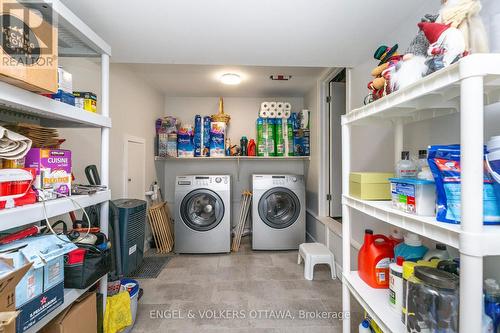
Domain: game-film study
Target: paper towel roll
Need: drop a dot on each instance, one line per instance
(264, 113)
(287, 106)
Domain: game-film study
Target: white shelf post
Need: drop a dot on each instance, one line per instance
(346, 225)
(398, 139)
(104, 158)
(471, 141)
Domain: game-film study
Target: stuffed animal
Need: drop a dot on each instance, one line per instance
(464, 15)
(379, 86)
(420, 44)
(447, 45)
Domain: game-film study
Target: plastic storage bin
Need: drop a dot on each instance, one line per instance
(414, 196)
(433, 301)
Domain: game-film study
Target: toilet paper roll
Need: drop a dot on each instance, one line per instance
(264, 106)
(280, 105)
(287, 114)
(287, 106)
(272, 113)
(280, 113)
(272, 105)
(264, 113)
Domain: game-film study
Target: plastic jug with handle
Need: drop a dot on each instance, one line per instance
(374, 258)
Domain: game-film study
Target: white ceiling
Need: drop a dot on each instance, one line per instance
(316, 33)
(203, 80)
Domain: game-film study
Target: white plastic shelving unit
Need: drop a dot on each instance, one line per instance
(464, 87)
(75, 39)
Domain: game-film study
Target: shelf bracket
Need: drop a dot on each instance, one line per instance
(238, 168)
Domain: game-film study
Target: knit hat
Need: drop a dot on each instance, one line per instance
(384, 53)
(432, 30)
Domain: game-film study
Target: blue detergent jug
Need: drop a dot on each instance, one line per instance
(411, 249)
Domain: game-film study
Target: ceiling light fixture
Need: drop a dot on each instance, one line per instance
(230, 78)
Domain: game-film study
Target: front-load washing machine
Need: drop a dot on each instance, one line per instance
(278, 212)
(203, 214)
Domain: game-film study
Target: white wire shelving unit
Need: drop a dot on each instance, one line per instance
(75, 39)
(465, 87)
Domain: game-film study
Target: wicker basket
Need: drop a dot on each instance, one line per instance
(221, 116)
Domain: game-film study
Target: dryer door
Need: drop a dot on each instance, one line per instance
(202, 209)
(279, 207)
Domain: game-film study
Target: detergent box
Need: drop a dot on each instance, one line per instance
(301, 142)
(53, 171)
(86, 100)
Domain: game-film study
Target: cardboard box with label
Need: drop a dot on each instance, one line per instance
(29, 58)
(79, 317)
(9, 278)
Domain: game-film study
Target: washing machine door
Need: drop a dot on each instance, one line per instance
(202, 209)
(279, 207)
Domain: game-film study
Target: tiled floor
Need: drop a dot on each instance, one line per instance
(240, 292)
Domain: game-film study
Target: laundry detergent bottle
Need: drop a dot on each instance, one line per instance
(374, 258)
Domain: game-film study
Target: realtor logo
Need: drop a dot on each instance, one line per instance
(28, 36)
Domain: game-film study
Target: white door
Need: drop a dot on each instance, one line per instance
(336, 110)
(135, 168)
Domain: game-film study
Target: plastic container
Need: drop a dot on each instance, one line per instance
(487, 322)
(493, 163)
(396, 237)
(440, 252)
(406, 168)
(244, 146)
(408, 270)
(411, 249)
(414, 196)
(374, 258)
(279, 141)
(396, 284)
(134, 295)
(251, 148)
(364, 327)
(433, 301)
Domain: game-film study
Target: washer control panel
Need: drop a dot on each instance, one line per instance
(282, 180)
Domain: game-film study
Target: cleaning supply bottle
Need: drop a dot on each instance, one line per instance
(411, 249)
(396, 284)
(396, 237)
(251, 148)
(424, 171)
(440, 252)
(244, 146)
(261, 137)
(374, 258)
(406, 168)
(492, 302)
(364, 327)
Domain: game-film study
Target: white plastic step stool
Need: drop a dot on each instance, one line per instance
(313, 254)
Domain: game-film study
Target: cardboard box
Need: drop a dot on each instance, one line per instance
(39, 307)
(46, 253)
(33, 65)
(370, 185)
(64, 81)
(79, 317)
(53, 170)
(8, 321)
(86, 100)
(9, 278)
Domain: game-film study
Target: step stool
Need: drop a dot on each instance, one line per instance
(313, 254)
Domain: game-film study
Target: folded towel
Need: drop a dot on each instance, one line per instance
(13, 146)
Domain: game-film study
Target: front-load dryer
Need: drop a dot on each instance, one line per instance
(203, 214)
(278, 212)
